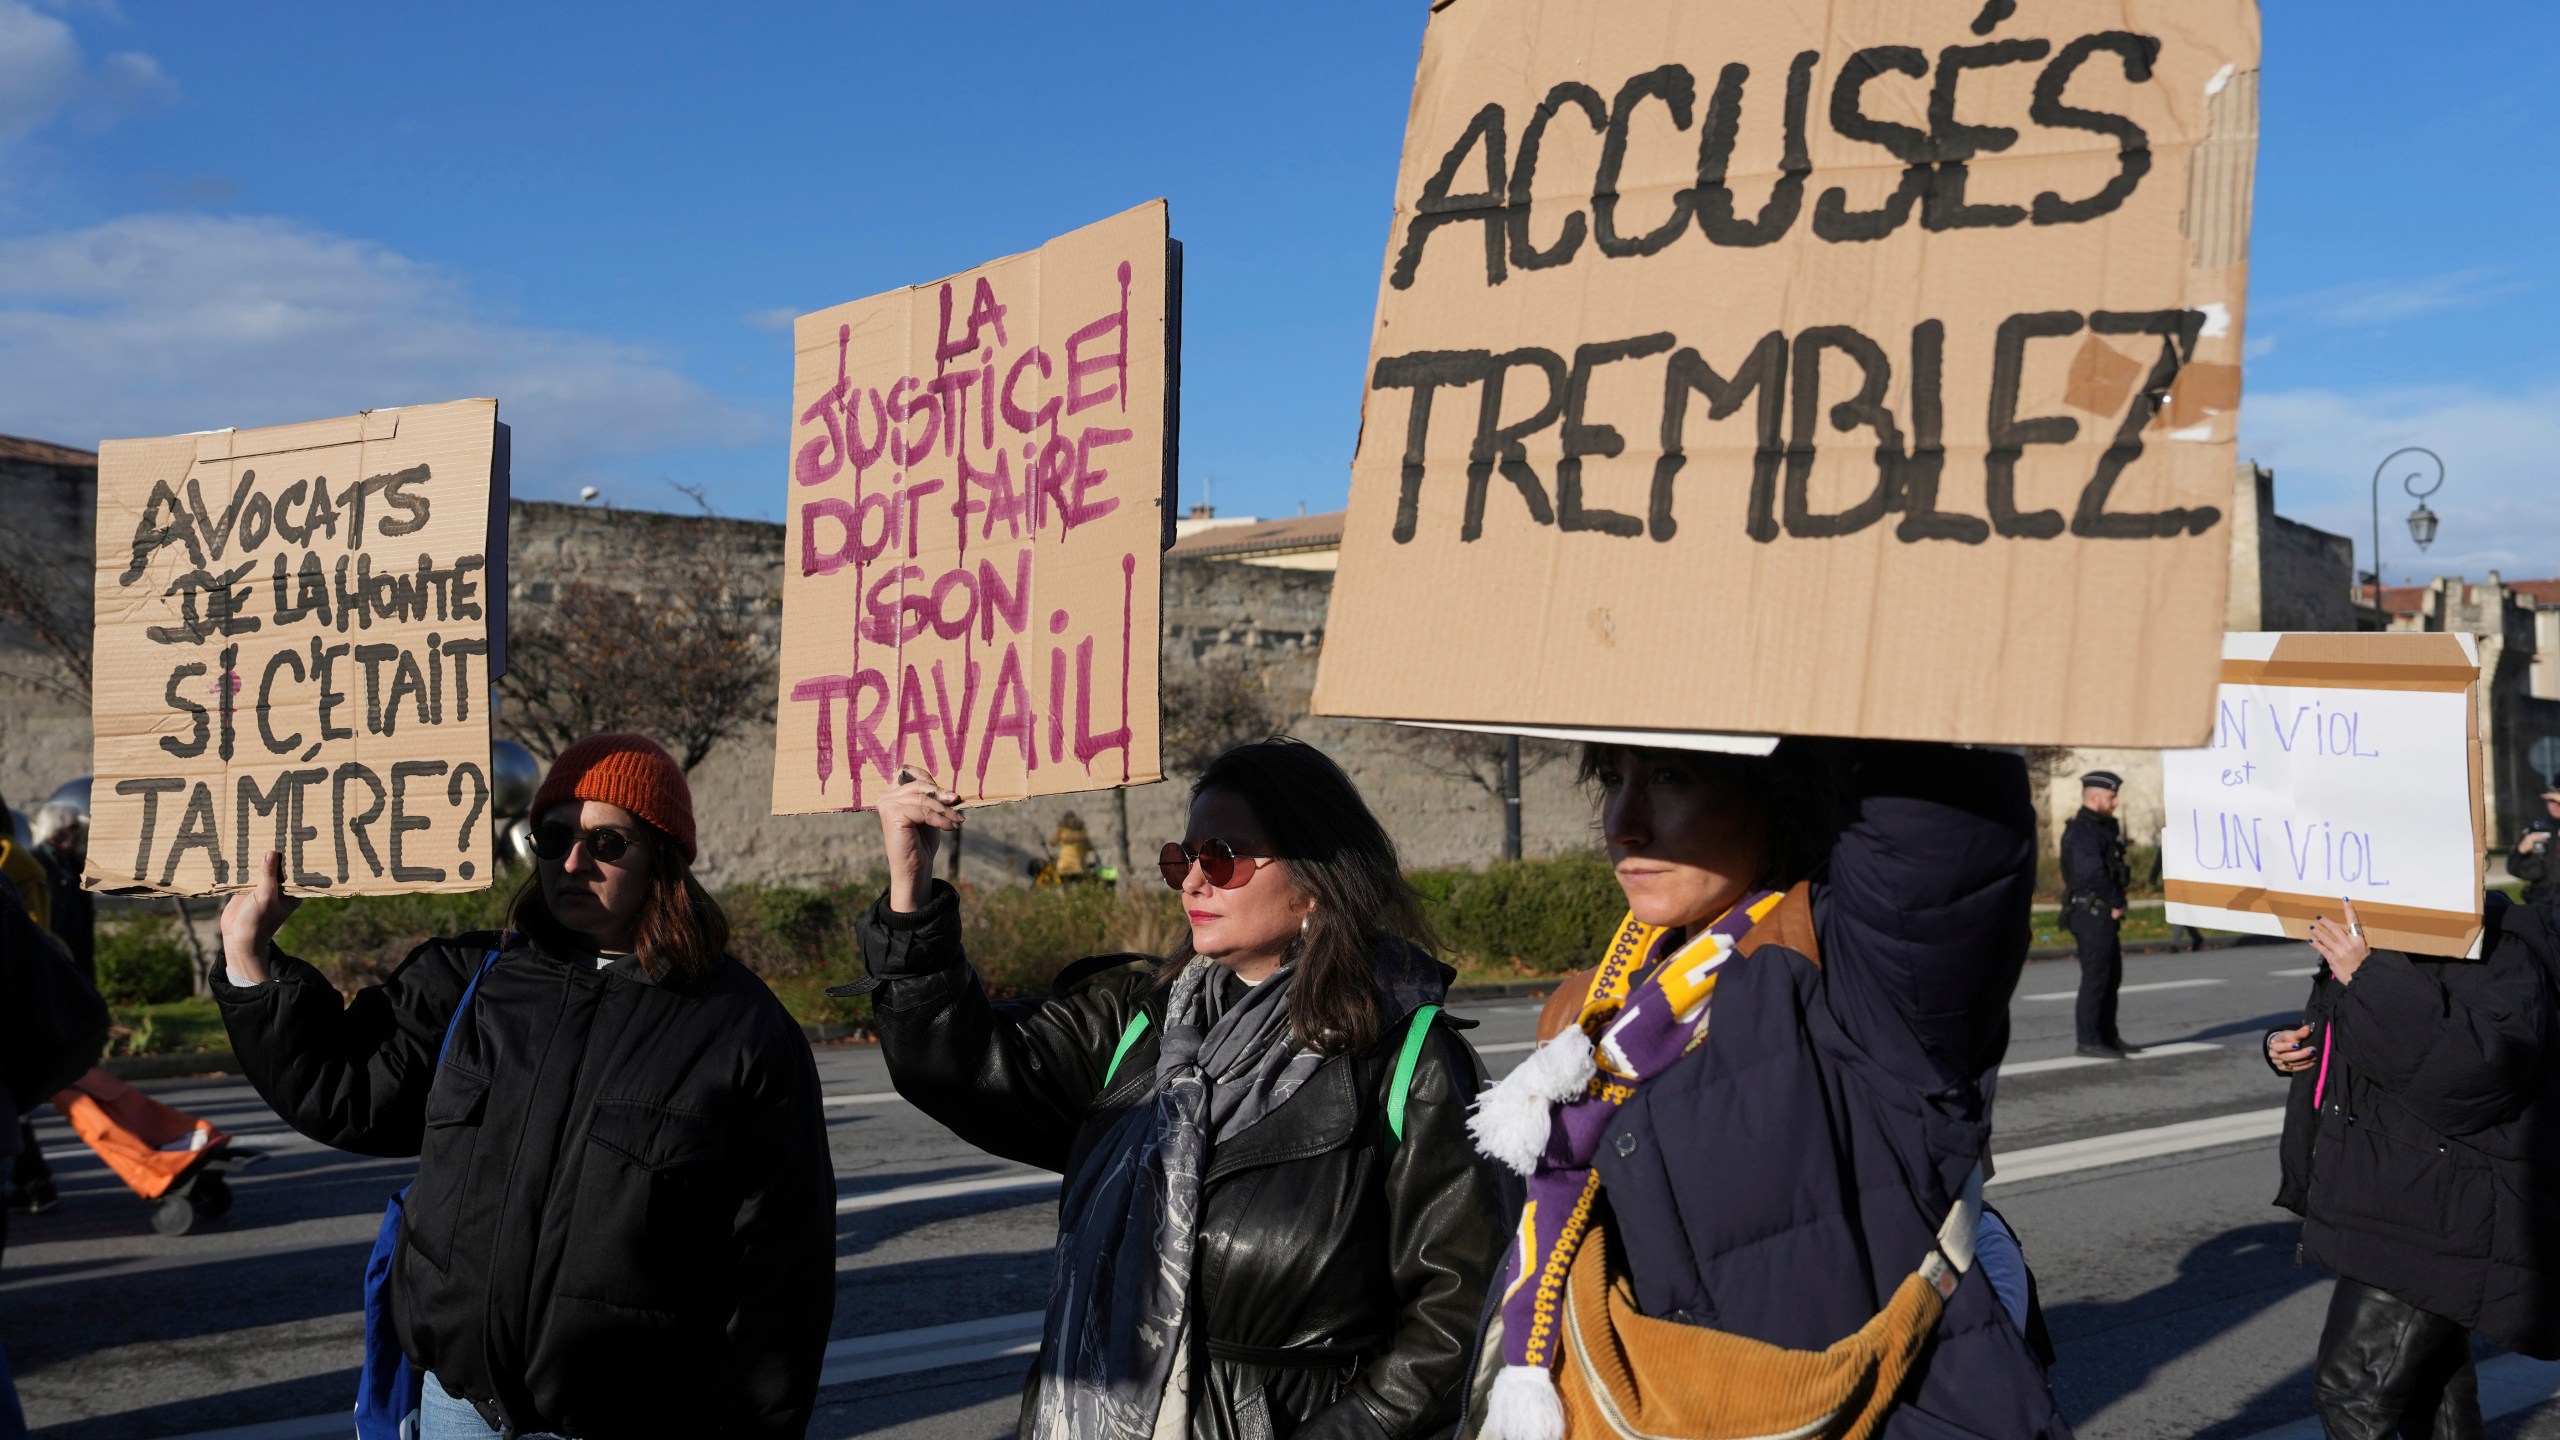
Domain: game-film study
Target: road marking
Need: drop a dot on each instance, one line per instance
(856, 1357)
(945, 1190)
(902, 1352)
(2040, 1161)
(2305, 973)
(2074, 1062)
(865, 1097)
(2128, 989)
(2508, 1383)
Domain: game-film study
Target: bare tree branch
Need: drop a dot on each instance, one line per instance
(50, 601)
(1474, 757)
(686, 662)
(1213, 709)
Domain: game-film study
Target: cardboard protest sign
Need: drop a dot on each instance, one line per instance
(979, 501)
(296, 632)
(1861, 368)
(2342, 767)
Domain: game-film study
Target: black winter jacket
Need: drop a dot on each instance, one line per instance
(2094, 872)
(2540, 875)
(2431, 1168)
(623, 1223)
(1782, 1179)
(1339, 1273)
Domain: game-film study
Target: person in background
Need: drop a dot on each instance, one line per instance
(623, 1225)
(62, 847)
(31, 1189)
(1280, 1101)
(1075, 850)
(2094, 876)
(2422, 1150)
(2531, 861)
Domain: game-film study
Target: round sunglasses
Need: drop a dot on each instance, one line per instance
(1226, 867)
(554, 840)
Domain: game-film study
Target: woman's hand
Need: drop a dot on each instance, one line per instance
(250, 920)
(909, 816)
(2342, 945)
(2291, 1051)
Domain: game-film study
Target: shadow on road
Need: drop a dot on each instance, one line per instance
(2109, 1349)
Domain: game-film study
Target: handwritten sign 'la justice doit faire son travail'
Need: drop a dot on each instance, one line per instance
(2342, 767)
(296, 632)
(978, 514)
(1861, 368)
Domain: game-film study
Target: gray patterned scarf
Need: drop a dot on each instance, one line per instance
(1112, 1352)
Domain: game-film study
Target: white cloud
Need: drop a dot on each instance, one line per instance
(158, 323)
(2500, 505)
(777, 318)
(40, 69)
(2368, 303)
(43, 74)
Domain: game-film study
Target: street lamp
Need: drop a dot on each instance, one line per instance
(2422, 521)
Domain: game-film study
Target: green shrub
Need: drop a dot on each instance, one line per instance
(360, 939)
(779, 931)
(144, 961)
(1541, 916)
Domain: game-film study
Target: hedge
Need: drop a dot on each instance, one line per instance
(1533, 917)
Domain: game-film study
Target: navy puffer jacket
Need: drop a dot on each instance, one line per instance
(1785, 1177)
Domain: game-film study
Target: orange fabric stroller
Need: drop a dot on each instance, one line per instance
(167, 1156)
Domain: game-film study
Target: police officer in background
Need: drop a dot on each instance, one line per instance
(2532, 861)
(2094, 875)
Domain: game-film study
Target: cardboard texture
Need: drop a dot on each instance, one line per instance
(294, 637)
(1855, 368)
(979, 500)
(2342, 766)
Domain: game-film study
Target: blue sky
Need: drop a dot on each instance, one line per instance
(228, 214)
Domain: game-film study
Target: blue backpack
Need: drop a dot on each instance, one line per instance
(387, 1393)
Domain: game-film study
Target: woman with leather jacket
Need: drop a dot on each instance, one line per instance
(1273, 1224)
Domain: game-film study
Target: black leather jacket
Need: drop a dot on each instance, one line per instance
(1340, 1273)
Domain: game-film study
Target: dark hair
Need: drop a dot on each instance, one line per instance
(682, 931)
(1337, 852)
(1793, 796)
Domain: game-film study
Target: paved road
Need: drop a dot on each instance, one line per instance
(2140, 1189)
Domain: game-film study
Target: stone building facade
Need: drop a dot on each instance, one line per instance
(1268, 620)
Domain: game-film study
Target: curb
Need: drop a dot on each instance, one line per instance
(170, 1067)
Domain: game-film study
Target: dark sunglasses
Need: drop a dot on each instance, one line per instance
(1217, 859)
(553, 841)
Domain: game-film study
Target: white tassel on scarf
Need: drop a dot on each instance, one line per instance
(1511, 1120)
(1524, 1405)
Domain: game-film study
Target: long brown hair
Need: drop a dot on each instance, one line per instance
(682, 932)
(1335, 850)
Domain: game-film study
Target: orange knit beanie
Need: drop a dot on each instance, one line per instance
(632, 771)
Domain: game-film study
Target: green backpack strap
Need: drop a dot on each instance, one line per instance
(1416, 1031)
(1128, 1037)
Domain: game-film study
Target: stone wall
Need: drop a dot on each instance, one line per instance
(47, 528)
(1271, 619)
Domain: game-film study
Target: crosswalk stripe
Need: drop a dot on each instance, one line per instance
(2131, 989)
(945, 1190)
(2074, 1062)
(2037, 1162)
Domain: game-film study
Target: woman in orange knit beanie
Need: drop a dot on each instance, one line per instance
(624, 1217)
